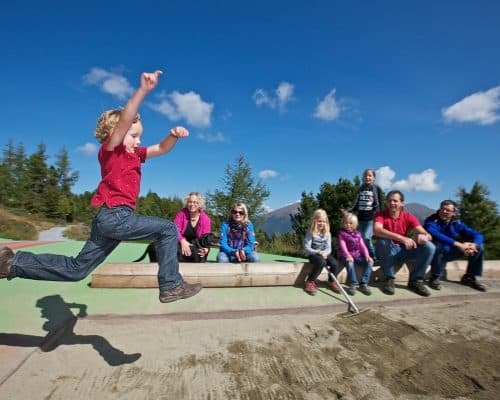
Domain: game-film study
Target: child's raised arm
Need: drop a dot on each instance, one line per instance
(149, 80)
(168, 142)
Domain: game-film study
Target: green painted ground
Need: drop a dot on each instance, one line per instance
(22, 313)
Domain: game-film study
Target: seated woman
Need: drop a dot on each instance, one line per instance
(192, 223)
(237, 241)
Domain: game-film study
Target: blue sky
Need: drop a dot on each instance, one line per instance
(309, 92)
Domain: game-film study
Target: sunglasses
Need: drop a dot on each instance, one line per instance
(236, 212)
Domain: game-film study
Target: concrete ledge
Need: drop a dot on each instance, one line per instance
(144, 275)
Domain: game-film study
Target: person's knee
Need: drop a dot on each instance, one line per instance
(480, 251)
(253, 257)
(428, 248)
(79, 275)
(222, 257)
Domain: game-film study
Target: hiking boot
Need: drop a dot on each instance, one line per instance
(435, 282)
(311, 287)
(183, 291)
(419, 288)
(6, 257)
(471, 281)
(388, 287)
(334, 286)
(363, 288)
(350, 290)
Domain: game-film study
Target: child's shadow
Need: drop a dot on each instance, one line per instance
(60, 325)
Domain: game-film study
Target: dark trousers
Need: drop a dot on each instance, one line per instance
(193, 258)
(319, 263)
(438, 263)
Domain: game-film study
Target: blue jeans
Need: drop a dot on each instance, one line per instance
(438, 264)
(109, 227)
(366, 230)
(352, 280)
(391, 253)
(224, 258)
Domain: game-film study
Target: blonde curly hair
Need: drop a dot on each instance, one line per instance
(106, 123)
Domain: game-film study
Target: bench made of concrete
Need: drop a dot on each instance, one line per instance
(144, 275)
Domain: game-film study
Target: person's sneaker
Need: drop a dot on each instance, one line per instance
(435, 283)
(363, 288)
(471, 281)
(183, 291)
(334, 286)
(6, 257)
(419, 288)
(311, 287)
(388, 286)
(350, 290)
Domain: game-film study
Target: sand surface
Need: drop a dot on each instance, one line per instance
(442, 351)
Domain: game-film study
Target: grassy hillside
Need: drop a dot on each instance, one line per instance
(20, 225)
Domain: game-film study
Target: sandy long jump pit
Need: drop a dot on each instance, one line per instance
(441, 351)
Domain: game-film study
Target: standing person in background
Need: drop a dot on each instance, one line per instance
(237, 240)
(392, 227)
(366, 205)
(318, 248)
(453, 240)
(352, 252)
(192, 223)
(120, 158)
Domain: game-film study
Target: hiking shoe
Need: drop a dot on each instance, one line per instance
(388, 287)
(334, 286)
(471, 281)
(311, 287)
(435, 282)
(183, 291)
(419, 288)
(6, 257)
(350, 290)
(363, 288)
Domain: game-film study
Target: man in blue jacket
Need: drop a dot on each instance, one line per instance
(454, 240)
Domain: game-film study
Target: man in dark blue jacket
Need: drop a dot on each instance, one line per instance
(453, 240)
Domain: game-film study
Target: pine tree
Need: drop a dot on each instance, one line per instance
(481, 213)
(301, 221)
(239, 186)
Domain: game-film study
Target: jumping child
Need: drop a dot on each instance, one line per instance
(120, 158)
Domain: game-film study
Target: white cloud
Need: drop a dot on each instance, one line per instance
(188, 106)
(385, 175)
(481, 107)
(284, 94)
(328, 109)
(267, 173)
(87, 149)
(207, 137)
(424, 181)
(109, 82)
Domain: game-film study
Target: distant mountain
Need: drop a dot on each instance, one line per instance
(278, 221)
(419, 210)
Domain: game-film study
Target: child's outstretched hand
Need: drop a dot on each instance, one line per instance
(149, 80)
(179, 132)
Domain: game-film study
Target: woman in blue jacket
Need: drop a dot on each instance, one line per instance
(454, 240)
(237, 239)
